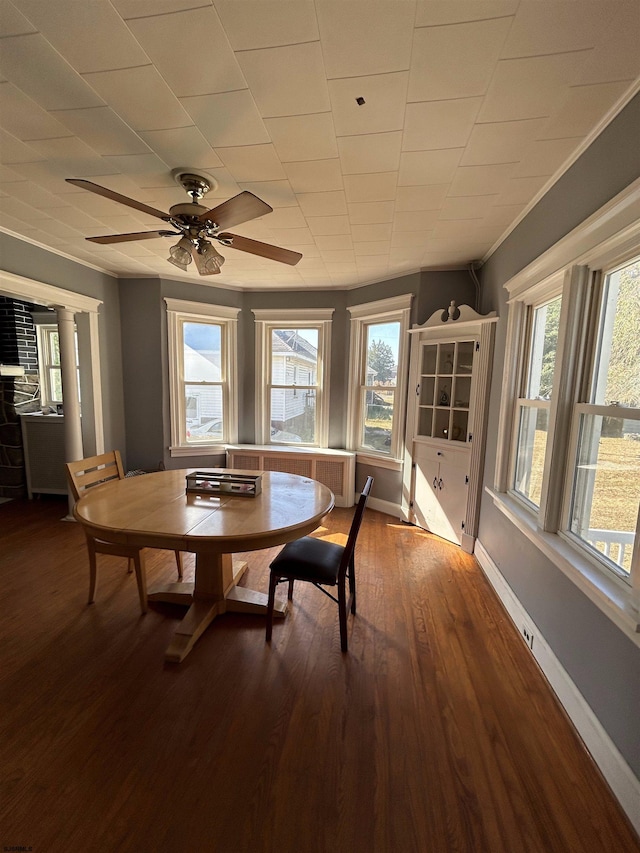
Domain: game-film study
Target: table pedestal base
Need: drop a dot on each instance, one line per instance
(215, 593)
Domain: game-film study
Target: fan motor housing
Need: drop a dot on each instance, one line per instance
(187, 208)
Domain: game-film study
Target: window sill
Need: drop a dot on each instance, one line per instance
(205, 450)
(379, 461)
(612, 596)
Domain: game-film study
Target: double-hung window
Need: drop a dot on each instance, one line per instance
(202, 381)
(378, 382)
(568, 462)
(49, 369)
(534, 402)
(603, 488)
(292, 373)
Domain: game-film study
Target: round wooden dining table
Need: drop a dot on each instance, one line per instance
(155, 511)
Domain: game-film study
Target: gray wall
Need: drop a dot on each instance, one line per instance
(601, 661)
(38, 264)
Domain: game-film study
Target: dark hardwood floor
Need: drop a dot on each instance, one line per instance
(436, 733)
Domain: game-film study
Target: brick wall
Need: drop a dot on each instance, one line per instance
(17, 394)
(18, 334)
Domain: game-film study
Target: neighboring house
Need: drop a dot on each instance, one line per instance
(294, 362)
(203, 405)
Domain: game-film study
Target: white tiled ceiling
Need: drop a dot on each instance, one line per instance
(472, 108)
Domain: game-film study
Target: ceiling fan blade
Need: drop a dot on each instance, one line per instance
(123, 199)
(200, 264)
(127, 238)
(240, 208)
(265, 250)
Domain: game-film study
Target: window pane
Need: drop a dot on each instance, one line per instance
(203, 407)
(202, 352)
(532, 442)
(606, 492)
(617, 380)
(544, 342)
(293, 415)
(382, 353)
(55, 379)
(378, 419)
(294, 356)
(54, 342)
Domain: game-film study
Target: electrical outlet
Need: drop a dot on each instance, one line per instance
(527, 633)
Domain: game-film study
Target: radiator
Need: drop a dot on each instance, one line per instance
(332, 468)
(43, 440)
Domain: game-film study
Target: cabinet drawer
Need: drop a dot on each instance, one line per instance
(432, 453)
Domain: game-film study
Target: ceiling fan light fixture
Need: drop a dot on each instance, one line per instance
(180, 254)
(213, 260)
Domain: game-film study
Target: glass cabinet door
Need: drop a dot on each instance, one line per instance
(444, 390)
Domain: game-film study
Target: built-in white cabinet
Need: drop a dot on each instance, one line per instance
(446, 416)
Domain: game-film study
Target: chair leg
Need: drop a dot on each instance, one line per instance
(352, 584)
(179, 564)
(141, 577)
(342, 612)
(273, 582)
(93, 571)
(130, 565)
(290, 592)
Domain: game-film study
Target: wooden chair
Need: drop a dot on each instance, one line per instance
(322, 564)
(87, 474)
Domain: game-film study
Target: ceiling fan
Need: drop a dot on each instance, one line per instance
(196, 225)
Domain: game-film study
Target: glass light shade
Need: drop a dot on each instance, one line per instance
(180, 254)
(176, 263)
(213, 260)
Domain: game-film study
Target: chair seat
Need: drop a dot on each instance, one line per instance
(309, 559)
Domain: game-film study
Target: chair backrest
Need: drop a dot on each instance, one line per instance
(86, 473)
(350, 547)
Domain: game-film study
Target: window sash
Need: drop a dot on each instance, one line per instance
(531, 336)
(582, 478)
(529, 459)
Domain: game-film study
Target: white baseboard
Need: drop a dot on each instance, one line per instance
(621, 779)
(378, 504)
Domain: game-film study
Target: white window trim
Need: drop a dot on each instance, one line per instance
(179, 311)
(605, 239)
(394, 309)
(274, 318)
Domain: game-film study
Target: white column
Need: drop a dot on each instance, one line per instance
(68, 370)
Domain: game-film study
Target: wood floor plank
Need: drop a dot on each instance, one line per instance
(436, 733)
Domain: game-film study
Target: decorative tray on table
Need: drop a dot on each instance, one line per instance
(224, 484)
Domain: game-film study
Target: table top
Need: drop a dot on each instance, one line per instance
(154, 510)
